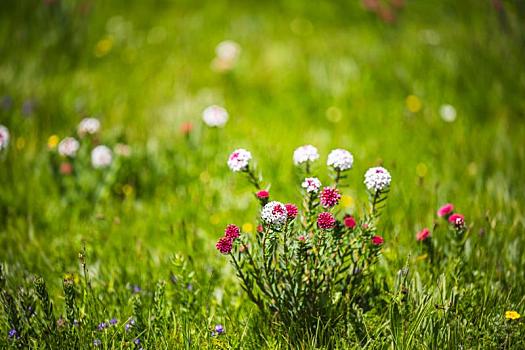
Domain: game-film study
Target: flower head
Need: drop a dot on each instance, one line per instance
(4, 137)
(66, 168)
(97, 342)
(445, 210)
(377, 240)
(232, 231)
(186, 128)
(102, 325)
(457, 220)
(12, 333)
(227, 53)
(215, 116)
(330, 197)
(274, 214)
(423, 234)
(311, 184)
(263, 194)
(88, 126)
(448, 113)
(224, 245)
(377, 179)
(349, 222)
(340, 159)
(326, 221)
(113, 321)
(219, 329)
(306, 153)
(512, 315)
(291, 210)
(239, 160)
(101, 157)
(68, 147)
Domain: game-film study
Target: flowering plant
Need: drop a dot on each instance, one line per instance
(307, 268)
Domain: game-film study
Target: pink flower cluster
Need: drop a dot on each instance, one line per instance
(225, 243)
(326, 221)
(330, 197)
(447, 211)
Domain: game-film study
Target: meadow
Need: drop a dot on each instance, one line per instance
(124, 255)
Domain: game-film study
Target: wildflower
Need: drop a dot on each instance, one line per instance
(228, 51)
(445, 210)
(378, 240)
(101, 157)
(291, 210)
(136, 289)
(186, 128)
(97, 342)
(263, 194)
(423, 234)
(260, 228)
(349, 222)
(329, 197)
(129, 324)
(306, 153)
(377, 179)
(457, 220)
(512, 315)
(301, 238)
(239, 160)
(68, 147)
(66, 168)
(448, 113)
(231, 231)
(311, 184)
(136, 341)
(215, 116)
(340, 159)
(224, 245)
(12, 333)
(326, 221)
(274, 214)
(113, 321)
(4, 137)
(219, 329)
(88, 126)
(102, 325)
(52, 141)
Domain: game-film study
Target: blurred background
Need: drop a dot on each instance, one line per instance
(432, 90)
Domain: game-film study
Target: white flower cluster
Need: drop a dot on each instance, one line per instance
(88, 126)
(311, 184)
(448, 113)
(215, 116)
(340, 159)
(274, 214)
(101, 157)
(68, 147)
(227, 54)
(306, 153)
(4, 137)
(239, 160)
(377, 179)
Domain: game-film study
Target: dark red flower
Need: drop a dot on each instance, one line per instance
(224, 245)
(326, 221)
(329, 197)
(377, 240)
(291, 210)
(349, 222)
(260, 228)
(232, 231)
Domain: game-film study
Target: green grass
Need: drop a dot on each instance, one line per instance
(330, 74)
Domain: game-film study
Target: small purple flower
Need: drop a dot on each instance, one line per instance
(102, 325)
(97, 342)
(136, 289)
(219, 329)
(75, 322)
(189, 287)
(113, 321)
(212, 333)
(136, 341)
(129, 324)
(12, 333)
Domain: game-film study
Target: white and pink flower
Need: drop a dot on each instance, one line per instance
(4, 137)
(215, 116)
(377, 179)
(311, 184)
(239, 160)
(101, 157)
(88, 126)
(274, 214)
(68, 147)
(340, 159)
(306, 153)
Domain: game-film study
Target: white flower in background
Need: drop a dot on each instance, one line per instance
(311, 184)
(4, 137)
(340, 159)
(377, 178)
(274, 214)
(228, 50)
(88, 126)
(306, 153)
(101, 157)
(215, 116)
(239, 159)
(68, 147)
(448, 113)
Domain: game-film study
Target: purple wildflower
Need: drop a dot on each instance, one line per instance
(97, 342)
(113, 321)
(189, 287)
(136, 341)
(136, 289)
(12, 333)
(102, 325)
(219, 329)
